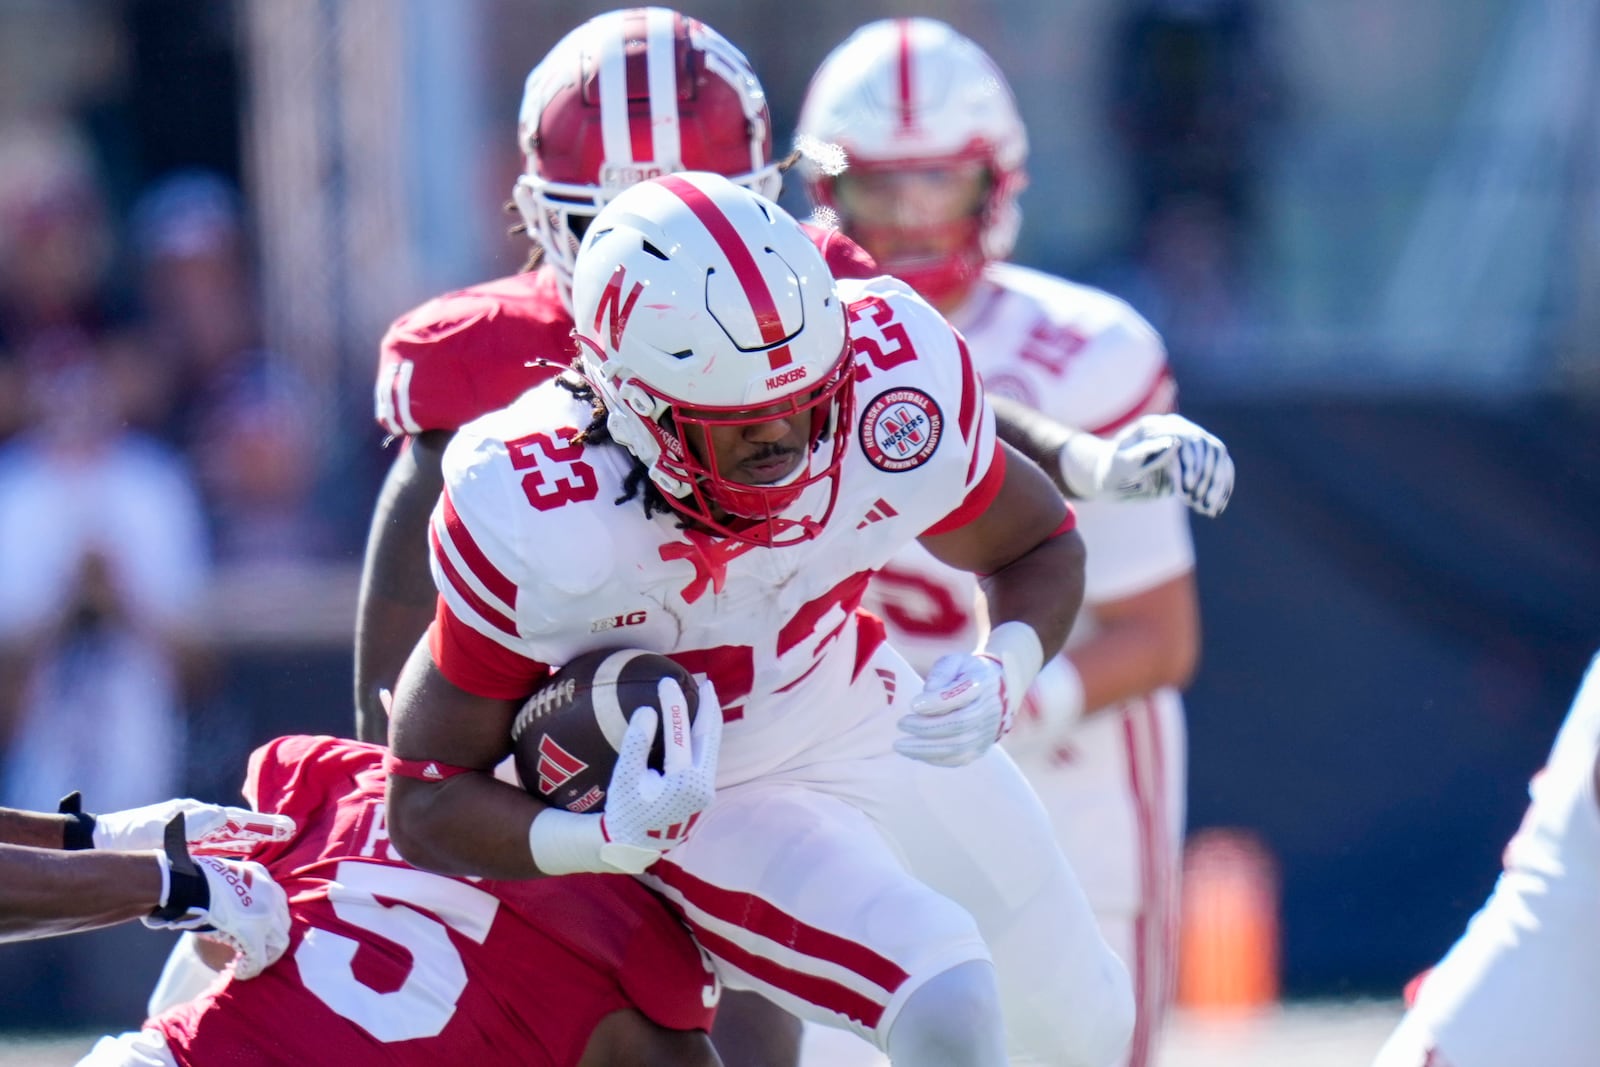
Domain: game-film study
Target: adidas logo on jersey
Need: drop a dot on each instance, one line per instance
(880, 510)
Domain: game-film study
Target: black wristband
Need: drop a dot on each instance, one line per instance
(78, 833)
(187, 888)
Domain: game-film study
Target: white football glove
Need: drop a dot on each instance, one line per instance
(235, 902)
(1153, 456)
(969, 701)
(1205, 471)
(647, 812)
(211, 827)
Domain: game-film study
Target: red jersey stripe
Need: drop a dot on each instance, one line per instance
(971, 391)
(487, 611)
(486, 572)
(977, 501)
(765, 919)
(823, 992)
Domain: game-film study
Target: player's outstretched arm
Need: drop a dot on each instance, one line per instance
(397, 592)
(1032, 563)
(46, 891)
(1153, 456)
(50, 891)
(209, 827)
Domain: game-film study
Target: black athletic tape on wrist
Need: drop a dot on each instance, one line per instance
(187, 888)
(79, 833)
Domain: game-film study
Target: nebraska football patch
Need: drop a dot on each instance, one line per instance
(900, 429)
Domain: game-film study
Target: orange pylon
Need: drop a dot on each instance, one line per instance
(1228, 941)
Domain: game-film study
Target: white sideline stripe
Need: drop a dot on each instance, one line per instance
(662, 68)
(465, 571)
(775, 951)
(608, 713)
(613, 59)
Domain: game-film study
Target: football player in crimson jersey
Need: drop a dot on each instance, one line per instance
(936, 151)
(747, 442)
(1518, 986)
(627, 95)
(390, 964)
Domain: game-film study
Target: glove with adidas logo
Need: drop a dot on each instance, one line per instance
(235, 902)
(647, 812)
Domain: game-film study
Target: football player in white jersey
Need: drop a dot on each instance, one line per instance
(936, 150)
(1519, 986)
(747, 442)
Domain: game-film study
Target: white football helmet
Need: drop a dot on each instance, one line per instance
(901, 94)
(630, 95)
(700, 304)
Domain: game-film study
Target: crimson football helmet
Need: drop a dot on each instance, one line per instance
(629, 95)
(698, 305)
(910, 94)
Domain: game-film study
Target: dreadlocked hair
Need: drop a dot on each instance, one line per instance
(520, 229)
(637, 482)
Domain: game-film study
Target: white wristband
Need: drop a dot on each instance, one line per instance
(1016, 645)
(1084, 460)
(564, 842)
(1055, 703)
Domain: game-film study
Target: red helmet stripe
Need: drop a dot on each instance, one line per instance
(907, 120)
(663, 26)
(637, 66)
(768, 320)
(612, 54)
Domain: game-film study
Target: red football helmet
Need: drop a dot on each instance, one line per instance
(907, 96)
(630, 95)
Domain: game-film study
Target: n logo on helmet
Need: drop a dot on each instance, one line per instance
(612, 303)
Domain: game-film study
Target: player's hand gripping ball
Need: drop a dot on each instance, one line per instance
(567, 736)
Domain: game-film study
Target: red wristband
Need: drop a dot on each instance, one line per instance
(427, 770)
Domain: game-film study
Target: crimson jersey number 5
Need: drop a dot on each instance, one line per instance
(557, 474)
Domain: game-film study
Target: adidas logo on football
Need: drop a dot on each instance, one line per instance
(880, 510)
(557, 766)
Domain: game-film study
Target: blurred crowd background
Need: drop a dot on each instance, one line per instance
(1370, 232)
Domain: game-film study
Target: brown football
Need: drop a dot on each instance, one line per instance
(566, 736)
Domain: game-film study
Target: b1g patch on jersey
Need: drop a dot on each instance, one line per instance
(900, 429)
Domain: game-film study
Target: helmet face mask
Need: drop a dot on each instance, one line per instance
(627, 96)
(693, 446)
(911, 95)
(708, 325)
(922, 221)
